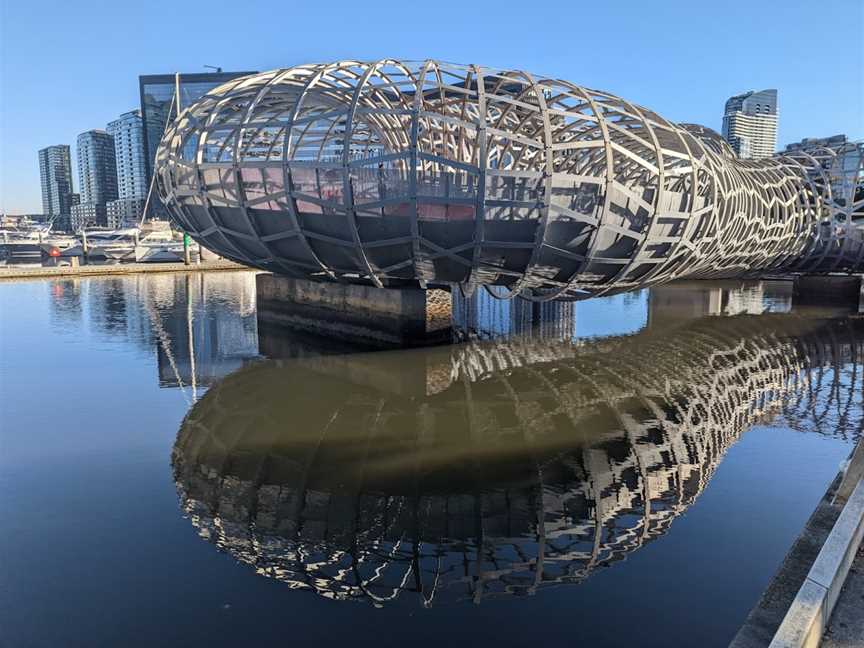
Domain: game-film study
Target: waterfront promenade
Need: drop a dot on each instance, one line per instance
(12, 272)
(846, 627)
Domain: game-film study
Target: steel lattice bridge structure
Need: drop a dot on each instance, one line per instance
(427, 173)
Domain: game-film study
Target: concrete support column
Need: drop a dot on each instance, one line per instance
(385, 317)
(828, 290)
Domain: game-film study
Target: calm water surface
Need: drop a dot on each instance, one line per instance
(627, 471)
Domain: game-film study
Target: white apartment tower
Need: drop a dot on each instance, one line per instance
(750, 124)
(128, 133)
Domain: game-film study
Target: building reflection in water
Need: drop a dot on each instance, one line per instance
(65, 304)
(497, 468)
(672, 302)
(202, 326)
(200, 344)
(484, 317)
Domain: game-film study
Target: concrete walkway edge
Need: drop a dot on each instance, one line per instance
(811, 609)
(11, 272)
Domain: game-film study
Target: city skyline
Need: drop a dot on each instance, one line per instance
(127, 152)
(716, 61)
(130, 203)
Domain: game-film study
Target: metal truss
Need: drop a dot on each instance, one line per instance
(397, 172)
(575, 457)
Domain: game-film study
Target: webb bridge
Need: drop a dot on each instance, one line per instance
(397, 173)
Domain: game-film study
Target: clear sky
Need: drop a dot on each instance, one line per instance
(67, 67)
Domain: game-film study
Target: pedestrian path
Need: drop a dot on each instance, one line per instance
(846, 626)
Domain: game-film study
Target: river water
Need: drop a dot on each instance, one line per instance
(626, 471)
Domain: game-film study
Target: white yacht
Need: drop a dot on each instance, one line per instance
(158, 243)
(106, 244)
(24, 241)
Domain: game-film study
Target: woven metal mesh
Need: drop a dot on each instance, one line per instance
(395, 172)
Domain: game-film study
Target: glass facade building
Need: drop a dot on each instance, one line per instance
(128, 133)
(97, 177)
(55, 174)
(157, 93)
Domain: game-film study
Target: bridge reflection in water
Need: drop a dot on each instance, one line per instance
(496, 468)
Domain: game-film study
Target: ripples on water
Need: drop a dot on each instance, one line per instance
(556, 441)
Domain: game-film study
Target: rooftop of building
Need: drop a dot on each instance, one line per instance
(811, 142)
(192, 77)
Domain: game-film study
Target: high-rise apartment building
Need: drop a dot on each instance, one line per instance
(750, 123)
(157, 94)
(55, 174)
(842, 164)
(128, 133)
(97, 178)
(813, 143)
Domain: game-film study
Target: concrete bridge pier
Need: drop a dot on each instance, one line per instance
(357, 314)
(828, 290)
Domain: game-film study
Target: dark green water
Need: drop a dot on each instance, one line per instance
(629, 472)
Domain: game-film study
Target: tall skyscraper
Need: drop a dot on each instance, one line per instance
(750, 123)
(97, 177)
(55, 174)
(157, 92)
(128, 133)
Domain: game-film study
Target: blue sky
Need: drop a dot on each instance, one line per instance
(66, 67)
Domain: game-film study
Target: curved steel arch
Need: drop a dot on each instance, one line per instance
(395, 172)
